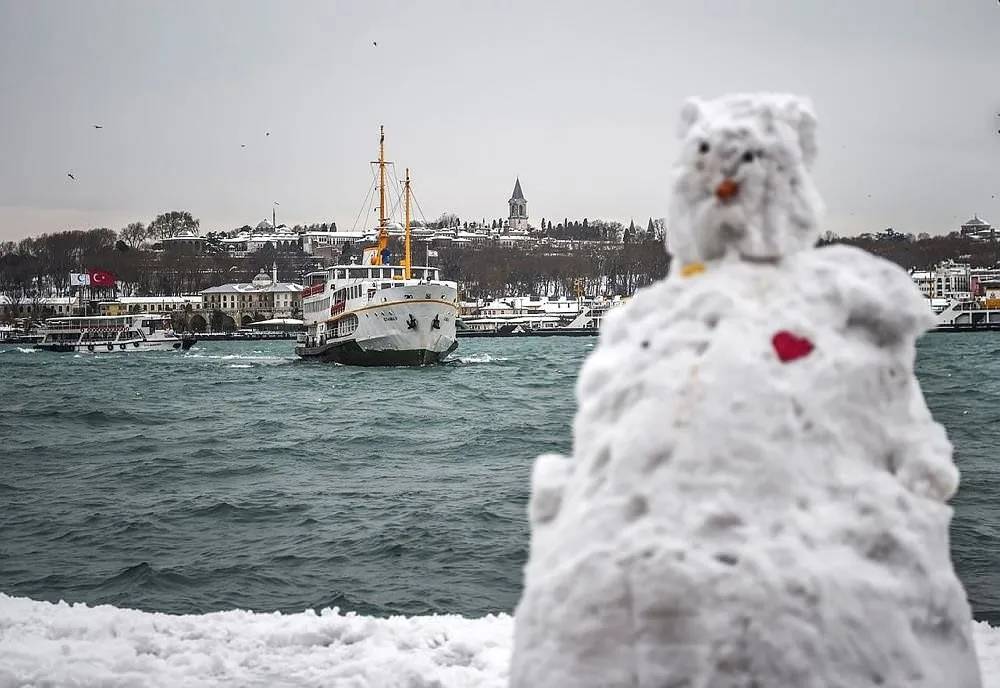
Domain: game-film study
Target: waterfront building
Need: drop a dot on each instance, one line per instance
(263, 297)
(35, 307)
(952, 281)
(125, 305)
(517, 223)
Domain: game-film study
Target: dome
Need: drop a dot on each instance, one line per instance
(975, 222)
(262, 279)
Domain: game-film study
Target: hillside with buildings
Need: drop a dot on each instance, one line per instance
(227, 279)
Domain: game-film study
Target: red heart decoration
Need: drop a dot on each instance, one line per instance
(789, 346)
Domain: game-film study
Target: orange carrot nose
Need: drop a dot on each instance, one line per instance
(726, 189)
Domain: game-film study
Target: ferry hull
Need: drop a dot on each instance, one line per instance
(403, 332)
(351, 353)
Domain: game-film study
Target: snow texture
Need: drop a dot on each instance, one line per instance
(763, 145)
(44, 644)
(735, 518)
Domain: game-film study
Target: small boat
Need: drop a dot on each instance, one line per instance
(111, 334)
(377, 313)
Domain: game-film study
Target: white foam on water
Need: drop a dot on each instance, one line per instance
(481, 358)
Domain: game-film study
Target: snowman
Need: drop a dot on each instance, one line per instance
(757, 493)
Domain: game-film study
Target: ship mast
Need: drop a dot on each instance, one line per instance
(406, 228)
(382, 219)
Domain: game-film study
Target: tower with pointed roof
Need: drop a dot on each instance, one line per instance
(518, 220)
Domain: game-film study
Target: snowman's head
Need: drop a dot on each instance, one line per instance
(742, 184)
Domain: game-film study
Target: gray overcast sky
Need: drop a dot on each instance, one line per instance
(578, 98)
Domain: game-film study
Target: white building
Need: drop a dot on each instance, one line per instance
(952, 281)
(263, 297)
(282, 239)
(315, 240)
(151, 304)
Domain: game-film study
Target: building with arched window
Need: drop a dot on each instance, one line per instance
(518, 220)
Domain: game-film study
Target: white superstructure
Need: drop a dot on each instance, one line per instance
(111, 334)
(371, 315)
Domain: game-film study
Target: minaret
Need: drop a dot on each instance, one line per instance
(518, 219)
(274, 272)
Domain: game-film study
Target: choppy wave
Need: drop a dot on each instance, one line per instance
(393, 491)
(481, 358)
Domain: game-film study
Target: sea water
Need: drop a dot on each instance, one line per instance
(234, 475)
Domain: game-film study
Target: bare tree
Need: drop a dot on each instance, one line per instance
(133, 234)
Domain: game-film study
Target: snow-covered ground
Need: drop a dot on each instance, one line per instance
(43, 644)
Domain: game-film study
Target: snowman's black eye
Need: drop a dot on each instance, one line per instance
(703, 147)
(748, 156)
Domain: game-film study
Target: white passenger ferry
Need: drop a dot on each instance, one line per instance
(111, 334)
(378, 314)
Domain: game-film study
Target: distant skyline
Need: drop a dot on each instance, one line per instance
(579, 100)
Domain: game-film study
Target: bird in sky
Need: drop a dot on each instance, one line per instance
(243, 145)
(98, 126)
(374, 44)
(267, 133)
(70, 175)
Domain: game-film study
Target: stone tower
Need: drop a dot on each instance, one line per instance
(518, 220)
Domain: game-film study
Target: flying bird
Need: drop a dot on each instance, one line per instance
(70, 175)
(267, 133)
(98, 126)
(374, 44)
(243, 145)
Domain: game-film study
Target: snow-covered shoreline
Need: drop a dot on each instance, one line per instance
(76, 645)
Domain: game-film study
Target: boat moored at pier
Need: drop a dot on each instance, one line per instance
(111, 334)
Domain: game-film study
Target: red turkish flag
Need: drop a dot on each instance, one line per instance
(101, 278)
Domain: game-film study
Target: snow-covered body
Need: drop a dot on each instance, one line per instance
(757, 492)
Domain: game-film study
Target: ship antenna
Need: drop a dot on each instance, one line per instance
(406, 228)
